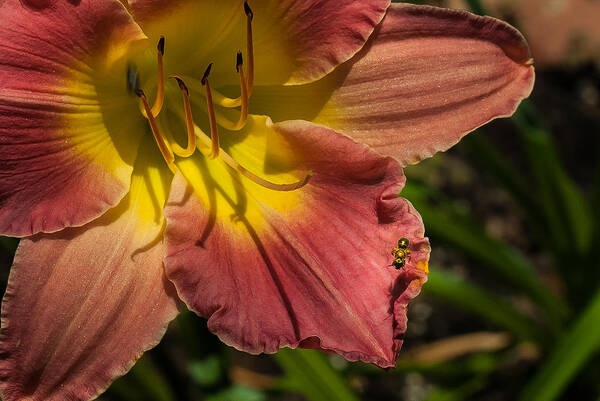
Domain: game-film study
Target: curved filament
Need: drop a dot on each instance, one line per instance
(160, 85)
(214, 130)
(166, 152)
(244, 95)
(189, 123)
(208, 143)
(261, 181)
(160, 90)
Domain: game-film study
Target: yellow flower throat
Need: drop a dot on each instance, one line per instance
(196, 138)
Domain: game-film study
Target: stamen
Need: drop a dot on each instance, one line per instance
(166, 152)
(244, 95)
(189, 122)
(160, 91)
(170, 148)
(160, 86)
(221, 120)
(228, 102)
(214, 130)
(249, 47)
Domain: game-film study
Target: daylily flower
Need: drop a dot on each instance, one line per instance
(261, 191)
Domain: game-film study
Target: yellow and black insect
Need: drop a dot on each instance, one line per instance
(401, 253)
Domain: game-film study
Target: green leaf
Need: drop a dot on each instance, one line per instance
(450, 370)
(9, 244)
(461, 393)
(238, 393)
(143, 382)
(308, 372)
(124, 389)
(567, 212)
(152, 380)
(469, 297)
(575, 348)
(489, 160)
(445, 221)
(206, 372)
(476, 7)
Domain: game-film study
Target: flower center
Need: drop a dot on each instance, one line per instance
(208, 145)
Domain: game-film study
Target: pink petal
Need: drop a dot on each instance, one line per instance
(315, 274)
(59, 165)
(84, 303)
(295, 41)
(427, 77)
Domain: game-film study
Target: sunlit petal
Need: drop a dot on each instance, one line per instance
(294, 41)
(84, 303)
(426, 78)
(64, 156)
(314, 269)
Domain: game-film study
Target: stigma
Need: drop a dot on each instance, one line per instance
(207, 144)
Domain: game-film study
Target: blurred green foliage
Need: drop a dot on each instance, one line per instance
(554, 334)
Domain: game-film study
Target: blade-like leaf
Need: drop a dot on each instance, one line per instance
(566, 210)
(152, 380)
(463, 392)
(469, 297)
(238, 393)
(491, 161)
(143, 382)
(447, 222)
(8, 244)
(569, 356)
(308, 372)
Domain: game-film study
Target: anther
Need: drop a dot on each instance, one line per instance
(160, 90)
(248, 10)
(243, 96)
(239, 61)
(161, 45)
(212, 118)
(160, 141)
(181, 84)
(206, 74)
(189, 122)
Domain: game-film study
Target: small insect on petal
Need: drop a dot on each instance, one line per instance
(401, 253)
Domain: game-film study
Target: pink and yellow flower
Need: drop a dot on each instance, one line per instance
(263, 194)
